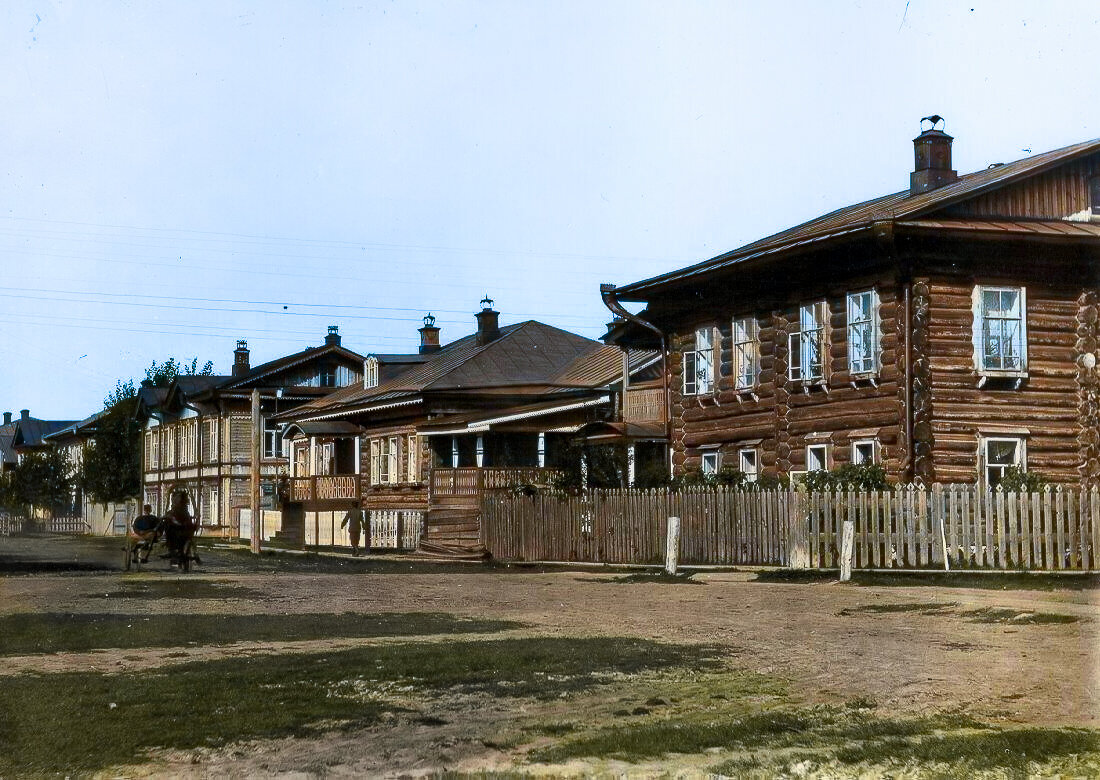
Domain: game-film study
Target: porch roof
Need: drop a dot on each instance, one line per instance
(621, 431)
(477, 422)
(321, 428)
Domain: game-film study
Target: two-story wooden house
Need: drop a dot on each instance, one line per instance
(948, 331)
(198, 431)
(424, 433)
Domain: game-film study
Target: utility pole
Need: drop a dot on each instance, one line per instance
(257, 442)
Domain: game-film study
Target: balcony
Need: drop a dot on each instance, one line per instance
(335, 491)
(470, 481)
(645, 405)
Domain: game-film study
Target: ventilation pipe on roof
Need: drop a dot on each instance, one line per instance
(932, 157)
(24, 414)
(7, 418)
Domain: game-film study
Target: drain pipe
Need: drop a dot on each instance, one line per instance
(607, 293)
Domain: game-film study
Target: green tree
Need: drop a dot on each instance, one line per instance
(42, 480)
(111, 468)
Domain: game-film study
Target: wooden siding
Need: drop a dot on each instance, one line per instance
(1052, 195)
(1044, 409)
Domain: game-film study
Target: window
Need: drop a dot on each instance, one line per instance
(301, 459)
(807, 345)
(699, 363)
(863, 332)
(710, 463)
(326, 376)
(748, 462)
(327, 458)
(370, 372)
(817, 457)
(1000, 330)
(273, 444)
(865, 451)
(999, 455)
(1094, 195)
(746, 353)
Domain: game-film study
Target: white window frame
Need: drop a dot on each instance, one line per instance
(858, 327)
(392, 460)
(273, 445)
(979, 330)
(824, 448)
(376, 461)
(370, 372)
(745, 353)
(983, 456)
(750, 470)
(699, 361)
(812, 334)
(412, 452)
(714, 459)
(857, 459)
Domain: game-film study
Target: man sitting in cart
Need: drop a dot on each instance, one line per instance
(179, 527)
(146, 528)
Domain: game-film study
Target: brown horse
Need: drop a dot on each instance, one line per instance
(179, 529)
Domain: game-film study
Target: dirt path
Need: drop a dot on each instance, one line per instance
(912, 649)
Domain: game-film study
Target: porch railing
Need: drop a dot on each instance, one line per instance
(471, 481)
(335, 487)
(645, 405)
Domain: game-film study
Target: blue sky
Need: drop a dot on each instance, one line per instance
(180, 175)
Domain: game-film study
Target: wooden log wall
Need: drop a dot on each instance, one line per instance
(786, 416)
(1045, 410)
(1087, 354)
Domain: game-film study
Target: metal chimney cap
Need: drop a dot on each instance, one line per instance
(486, 303)
(933, 120)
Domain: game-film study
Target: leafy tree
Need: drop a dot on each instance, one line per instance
(42, 480)
(112, 459)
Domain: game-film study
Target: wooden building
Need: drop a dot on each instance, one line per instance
(198, 434)
(424, 433)
(947, 331)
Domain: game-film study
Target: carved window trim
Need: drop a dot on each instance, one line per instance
(986, 322)
(860, 326)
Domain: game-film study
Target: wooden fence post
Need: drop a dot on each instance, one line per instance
(672, 545)
(847, 548)
(798, 522)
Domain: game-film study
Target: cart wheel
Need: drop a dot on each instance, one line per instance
(129, 553)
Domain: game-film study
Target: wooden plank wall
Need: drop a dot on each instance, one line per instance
(1053, 195)
(906, 528)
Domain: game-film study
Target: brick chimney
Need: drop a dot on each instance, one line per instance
(333, 337)
(932, 153)
(429, 336)
(24, 414)
(7, 418)
(488, 325)
(240, 359)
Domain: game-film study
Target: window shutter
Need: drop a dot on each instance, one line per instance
(413, 455)
(392, 460)
(794, 355)
(375, 445)
(689, 373)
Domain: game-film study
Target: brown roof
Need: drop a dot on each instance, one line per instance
(289, 361)
(853, 219)
(527, 357)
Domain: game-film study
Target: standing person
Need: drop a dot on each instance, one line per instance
(179, 527)
(146, 528)
(353, 521)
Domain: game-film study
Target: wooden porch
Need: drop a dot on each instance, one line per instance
(336, 491)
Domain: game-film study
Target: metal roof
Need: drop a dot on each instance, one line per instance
(859, 217)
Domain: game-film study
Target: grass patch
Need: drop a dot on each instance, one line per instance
(770, 730)
(924, 608)
(29, 633)
(86, 721)
(179, 589)
(966, 754)
(1017, 617)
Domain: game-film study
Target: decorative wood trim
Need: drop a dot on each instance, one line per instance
(1088, 385)
(923, 467)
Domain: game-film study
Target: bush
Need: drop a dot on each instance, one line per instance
(866, 476)
(1016, 480)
